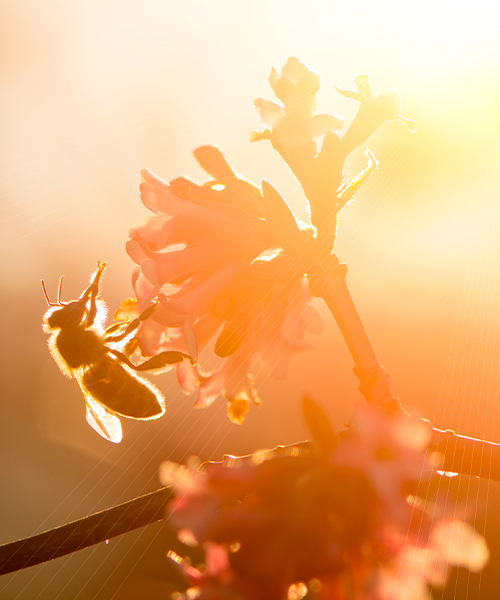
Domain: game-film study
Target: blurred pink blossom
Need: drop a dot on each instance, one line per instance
(391, 450)
(285, 520)
(452, 543)
(277, 524)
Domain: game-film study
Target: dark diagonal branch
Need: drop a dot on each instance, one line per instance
(85, 532)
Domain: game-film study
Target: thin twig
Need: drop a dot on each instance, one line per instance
(85, 532)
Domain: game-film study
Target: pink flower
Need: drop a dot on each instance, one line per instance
(293, 130)
(373, 111)
(457, 544)
(197, 239)
(285, 520)
(291, 121)
(452, 543)
(391, 450)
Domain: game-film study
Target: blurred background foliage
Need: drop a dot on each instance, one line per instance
(93, 91)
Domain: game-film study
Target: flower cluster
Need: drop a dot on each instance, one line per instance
(336, 522)
(204, 253)
(295, 132)
(203, 243)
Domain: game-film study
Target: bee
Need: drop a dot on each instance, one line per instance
(106, 376)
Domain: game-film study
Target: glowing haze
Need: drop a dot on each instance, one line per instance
(94, 91)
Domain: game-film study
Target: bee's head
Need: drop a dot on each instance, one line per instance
(66, 315)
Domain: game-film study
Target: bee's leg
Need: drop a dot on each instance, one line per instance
(160, 361)
(91, 294)
(92, 312)
(132, 326)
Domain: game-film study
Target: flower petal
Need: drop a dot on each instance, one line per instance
(321, 124)
(211, 160)
(189, 338)
(268, 111)
(187, 376)
(280, 219)
(459, 544)
(301, 76)
(210, 388)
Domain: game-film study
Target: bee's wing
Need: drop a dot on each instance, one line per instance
(103, 421)
(123, 392)
(99, 417)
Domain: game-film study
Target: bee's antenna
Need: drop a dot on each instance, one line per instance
(46, 295)
(59, 288)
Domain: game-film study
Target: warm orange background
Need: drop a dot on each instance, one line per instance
(93, 91)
